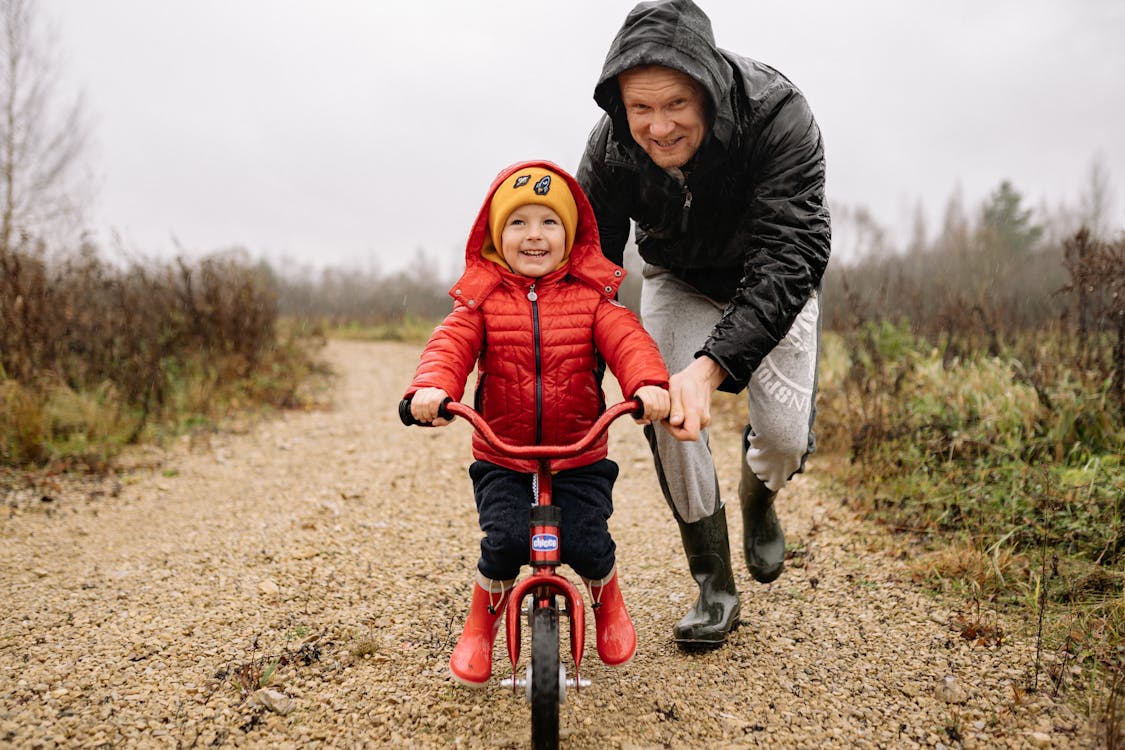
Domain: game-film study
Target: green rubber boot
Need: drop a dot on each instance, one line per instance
(716, 612)
(707, 548)
(763, 539)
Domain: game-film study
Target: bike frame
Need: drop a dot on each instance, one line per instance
(544, 583)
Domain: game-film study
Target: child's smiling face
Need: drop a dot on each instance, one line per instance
(534, 241)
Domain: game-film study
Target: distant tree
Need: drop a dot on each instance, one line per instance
(953, 239)
(1008, 222)
(42, 137)
(1017, 271)
(950, 272)
(866, 237)
(1096, 199)
(918, 231)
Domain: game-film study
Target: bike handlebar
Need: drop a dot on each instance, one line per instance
(451, 408)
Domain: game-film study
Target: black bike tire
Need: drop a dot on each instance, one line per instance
(545, 678)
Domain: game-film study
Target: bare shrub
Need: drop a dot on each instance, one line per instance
(1097, 316)
(135, 334)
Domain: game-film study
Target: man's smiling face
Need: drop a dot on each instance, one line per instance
(667, 113)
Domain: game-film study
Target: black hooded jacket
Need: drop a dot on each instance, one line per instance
(749, 225)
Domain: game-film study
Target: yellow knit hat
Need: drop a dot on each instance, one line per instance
(533, 185)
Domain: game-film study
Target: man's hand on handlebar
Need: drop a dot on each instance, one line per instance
(690, 391)
(655, 401)
(424, 405)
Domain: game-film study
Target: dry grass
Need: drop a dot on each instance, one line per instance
(92, 355)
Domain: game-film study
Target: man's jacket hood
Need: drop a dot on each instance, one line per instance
(674, 34)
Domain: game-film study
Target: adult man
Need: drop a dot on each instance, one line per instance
(718, 161)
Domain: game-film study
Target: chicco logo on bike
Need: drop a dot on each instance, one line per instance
(544, 542)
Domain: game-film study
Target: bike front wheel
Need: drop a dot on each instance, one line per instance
(545, 678)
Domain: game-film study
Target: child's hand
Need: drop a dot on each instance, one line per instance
(424, 406)
(656, 402)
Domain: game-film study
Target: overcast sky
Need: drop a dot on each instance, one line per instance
(355, 132)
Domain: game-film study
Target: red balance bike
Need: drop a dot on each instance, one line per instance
(545, 682)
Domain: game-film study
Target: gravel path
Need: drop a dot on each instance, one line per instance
(328, 555)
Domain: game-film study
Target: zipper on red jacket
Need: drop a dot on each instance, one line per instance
(531, 295)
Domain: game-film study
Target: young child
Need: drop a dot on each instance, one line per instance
(533, 311)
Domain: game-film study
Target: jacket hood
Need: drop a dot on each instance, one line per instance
(675, 34)
(586, 260)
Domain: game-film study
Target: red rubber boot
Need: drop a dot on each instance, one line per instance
(471, 662)
(617, 639)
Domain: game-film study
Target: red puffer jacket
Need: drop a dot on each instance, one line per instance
(537, 358)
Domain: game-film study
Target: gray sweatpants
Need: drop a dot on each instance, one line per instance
(780, 395)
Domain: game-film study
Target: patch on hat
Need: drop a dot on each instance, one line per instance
(532, 184)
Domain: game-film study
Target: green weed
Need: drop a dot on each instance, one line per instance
(1012, 485)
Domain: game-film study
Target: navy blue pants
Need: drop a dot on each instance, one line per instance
(504, 498)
